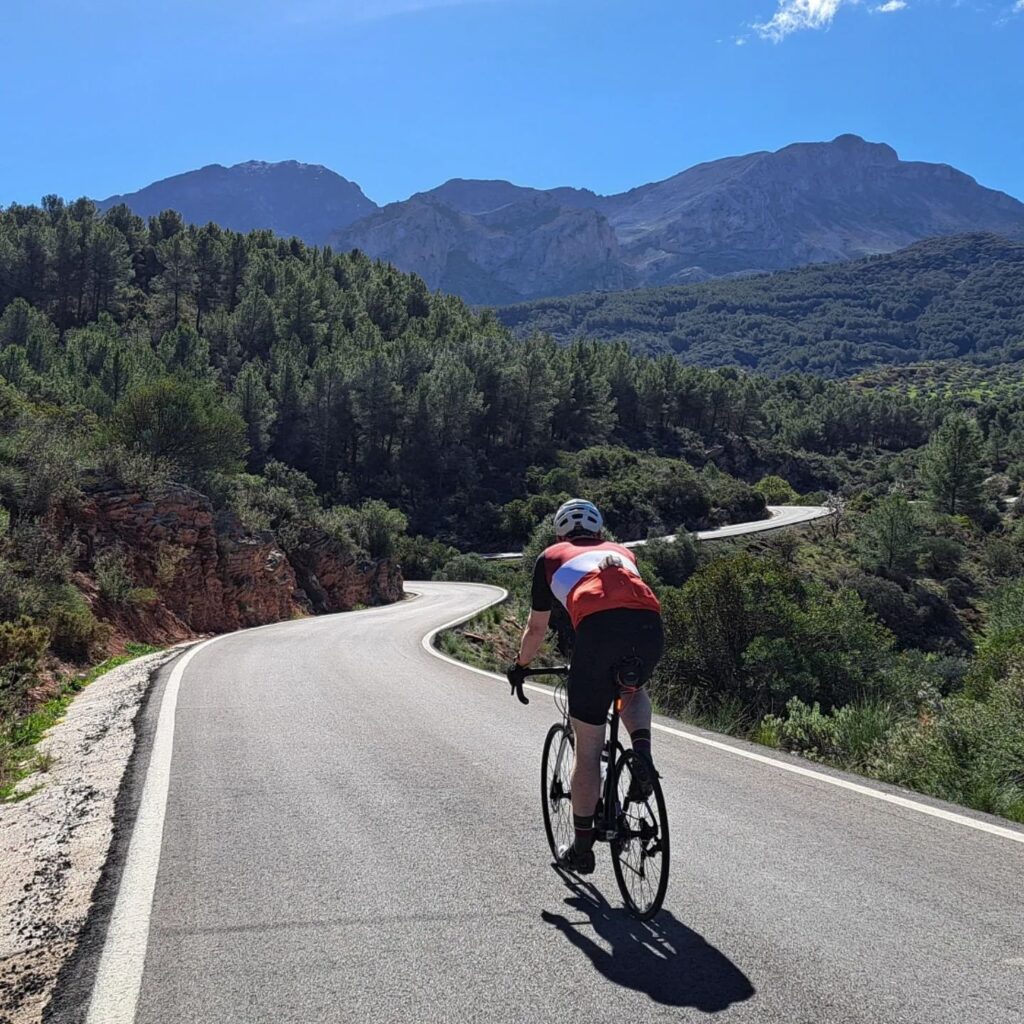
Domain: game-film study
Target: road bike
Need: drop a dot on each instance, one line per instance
(632, 822)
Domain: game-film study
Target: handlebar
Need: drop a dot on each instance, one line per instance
(517, 681)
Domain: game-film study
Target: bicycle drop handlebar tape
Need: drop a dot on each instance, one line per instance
(515, 675)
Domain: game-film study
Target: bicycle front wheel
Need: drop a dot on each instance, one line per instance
(555, 780)
(640, 851)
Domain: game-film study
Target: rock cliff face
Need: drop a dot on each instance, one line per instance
(207, 573)
(332, 581)
(529, 247)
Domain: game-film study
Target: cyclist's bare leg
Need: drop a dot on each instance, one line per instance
(636, 716)
(586, 774)
(636, 712)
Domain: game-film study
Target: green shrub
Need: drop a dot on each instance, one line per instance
(113, 575)
(1002, 557)
(464, 568)
(383, 526)
(971, 752)
(752, 630)
(775, 490)
(169, 557)
(38, 551)
(735, 501)
(860, 728)
(542, 537)
(420, 557)
(22, 646)
(847, 736)
(939, 557)
(1002, 642)
(342, 524)
(136, 470)
(520, 517)
(803, 729)
(75, 632)
(182, 423)
(888, 537)
(673, 561)
(917, 681)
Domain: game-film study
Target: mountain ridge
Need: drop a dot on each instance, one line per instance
(289, 197)
(494, 242)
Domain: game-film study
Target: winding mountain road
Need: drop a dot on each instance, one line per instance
(338, 825)
(779, 516)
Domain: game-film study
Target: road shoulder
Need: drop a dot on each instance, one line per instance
(55, 842)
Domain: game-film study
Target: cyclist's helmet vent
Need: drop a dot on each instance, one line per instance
(578, 516)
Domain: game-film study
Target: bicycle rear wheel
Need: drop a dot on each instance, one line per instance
(555, 778)
(640, 852)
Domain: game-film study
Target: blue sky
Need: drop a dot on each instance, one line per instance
(400, 95)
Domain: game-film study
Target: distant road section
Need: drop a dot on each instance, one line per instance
(780, 516)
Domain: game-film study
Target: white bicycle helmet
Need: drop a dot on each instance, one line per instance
(577, 514)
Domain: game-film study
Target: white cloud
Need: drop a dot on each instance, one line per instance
(895, 5)
(794, 15)
(1018, 7)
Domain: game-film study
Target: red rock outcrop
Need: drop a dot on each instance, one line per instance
(207, 573)
(334, 581)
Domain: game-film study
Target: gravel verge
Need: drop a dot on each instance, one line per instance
(54, 842)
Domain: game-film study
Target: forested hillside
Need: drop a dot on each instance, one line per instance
(947, 298)
(215, 351)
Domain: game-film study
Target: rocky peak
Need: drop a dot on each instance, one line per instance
(291, 198)
(481, 196)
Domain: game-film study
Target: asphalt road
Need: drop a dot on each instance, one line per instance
(779, 516)
(353, 833)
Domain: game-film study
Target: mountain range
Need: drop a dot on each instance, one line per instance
(494, 242)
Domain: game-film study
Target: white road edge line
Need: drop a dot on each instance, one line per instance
(115, 993)
(795, 769)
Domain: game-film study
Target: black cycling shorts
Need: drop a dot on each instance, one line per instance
(603, 640)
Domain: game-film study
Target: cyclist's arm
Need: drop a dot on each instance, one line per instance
(541, 600)
(533, 636)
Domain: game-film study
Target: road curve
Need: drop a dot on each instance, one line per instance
(353, 833)
(779, 516)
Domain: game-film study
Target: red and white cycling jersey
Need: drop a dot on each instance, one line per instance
(590, 576)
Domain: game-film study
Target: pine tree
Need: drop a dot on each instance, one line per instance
(952, 467)
(890, 533)
(255, 404)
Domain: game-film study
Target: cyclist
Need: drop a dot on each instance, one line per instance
(616, 616)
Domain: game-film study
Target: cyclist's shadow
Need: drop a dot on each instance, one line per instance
(661, 958)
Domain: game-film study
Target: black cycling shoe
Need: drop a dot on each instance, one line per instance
(643, 772)
(580, 862)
